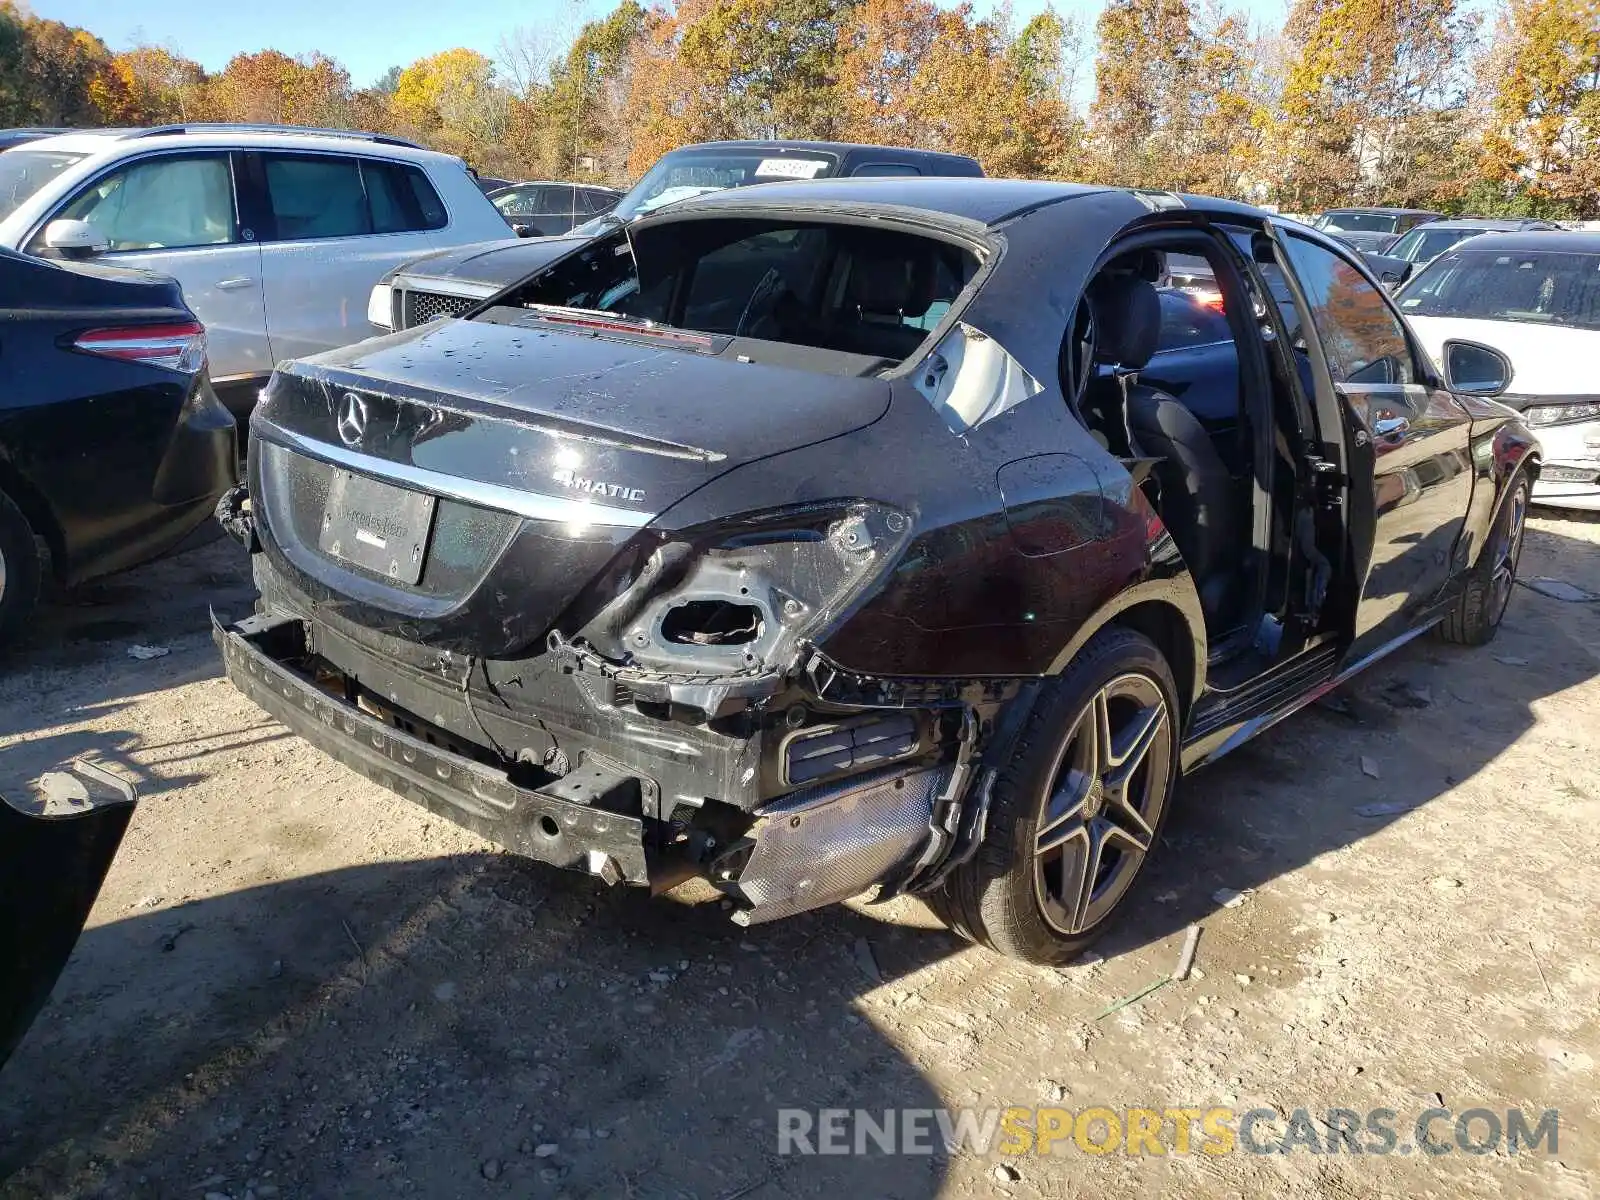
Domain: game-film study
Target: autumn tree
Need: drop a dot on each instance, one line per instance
(1542, 143)
(883, 45)
(149, 85)
(453, 89)
(1038, 132)
(16, 106)
(1361, 74)
(669, 102)
(1145, 80)
(270, 87)
(60, 65)
(581, 110)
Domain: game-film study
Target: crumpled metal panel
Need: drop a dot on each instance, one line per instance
(824, 845)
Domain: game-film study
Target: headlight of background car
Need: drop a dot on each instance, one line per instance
(740, 595)
(380, 304)
(1562, 414)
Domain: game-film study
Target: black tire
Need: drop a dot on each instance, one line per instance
(1001, 898)
(20, 571)
(1475, 617)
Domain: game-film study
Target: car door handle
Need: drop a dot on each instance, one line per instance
(234, 284)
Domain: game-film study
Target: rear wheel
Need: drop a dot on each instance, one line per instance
(19, 570)
(1077, 811)
(1475, 617)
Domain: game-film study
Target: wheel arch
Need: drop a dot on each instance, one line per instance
(1160, 610)
(1516, 455)
(36, 511)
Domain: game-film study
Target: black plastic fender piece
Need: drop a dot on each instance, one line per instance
(52, 864)
(233, 513)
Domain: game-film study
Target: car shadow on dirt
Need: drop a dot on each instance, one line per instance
(458, 1026)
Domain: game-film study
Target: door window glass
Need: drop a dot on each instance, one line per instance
(327, 196)
(518, 202)
(317, 197)
(1361, 335)
(402, 199)
(1188, 319)
(161, 204)
(558, 202)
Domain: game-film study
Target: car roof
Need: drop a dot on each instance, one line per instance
(840, 148)
(1572, 240)
(1497, 224)
(984, 200)
(115, 143)
(598, 187)
(1377, 209)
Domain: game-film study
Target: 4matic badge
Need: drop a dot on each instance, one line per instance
(596, 487)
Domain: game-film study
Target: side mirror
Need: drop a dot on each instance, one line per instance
(75, 239)
(1474, 369)
(523, 229)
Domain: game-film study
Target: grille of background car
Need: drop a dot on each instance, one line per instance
(422, 307)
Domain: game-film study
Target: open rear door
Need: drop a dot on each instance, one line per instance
(54, 856)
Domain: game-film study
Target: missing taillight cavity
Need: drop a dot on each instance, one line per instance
(711, 623)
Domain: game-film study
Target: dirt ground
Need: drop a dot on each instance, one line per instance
(297, 985)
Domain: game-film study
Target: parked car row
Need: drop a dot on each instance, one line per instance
(1396, 241)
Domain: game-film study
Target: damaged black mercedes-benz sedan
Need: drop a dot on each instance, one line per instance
(874, 534)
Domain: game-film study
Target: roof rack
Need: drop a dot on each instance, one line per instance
(381, 139)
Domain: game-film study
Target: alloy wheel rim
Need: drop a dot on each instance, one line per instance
(1507, 552)
(2, 574)
(1104, 801)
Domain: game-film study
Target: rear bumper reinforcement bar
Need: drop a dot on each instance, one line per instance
(480, 798)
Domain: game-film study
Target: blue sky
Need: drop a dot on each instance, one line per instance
(369, 36)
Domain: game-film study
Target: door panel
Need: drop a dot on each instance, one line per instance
(1419, 439)
(223, 285)
(326, 245)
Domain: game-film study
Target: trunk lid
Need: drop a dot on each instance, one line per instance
(544, 451)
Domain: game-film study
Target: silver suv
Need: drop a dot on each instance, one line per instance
(276, 233)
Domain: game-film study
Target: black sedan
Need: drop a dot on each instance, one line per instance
(835, 535)
(548, 209)
(113, 447)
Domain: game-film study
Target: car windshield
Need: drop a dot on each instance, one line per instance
(1358, 222)
(1423, 244)
(685, 173)
(24, 172)
(1536, 287)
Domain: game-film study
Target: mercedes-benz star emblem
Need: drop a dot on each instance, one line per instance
(352, 419)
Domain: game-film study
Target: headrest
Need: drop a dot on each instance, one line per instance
(1127, 319)
(891, 283)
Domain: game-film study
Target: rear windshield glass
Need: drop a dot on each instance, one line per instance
(685, 173)
(1539, 288)
(1354, 222)
(24, 172)
(850, 288)
(1424, 245)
